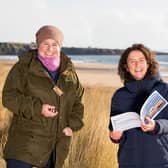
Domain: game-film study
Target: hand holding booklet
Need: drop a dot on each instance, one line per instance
(151, 108)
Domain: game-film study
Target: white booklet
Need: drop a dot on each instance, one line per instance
(151, 108)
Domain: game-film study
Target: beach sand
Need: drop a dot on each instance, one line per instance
(101, 75)
(98, 75)
(91, 75)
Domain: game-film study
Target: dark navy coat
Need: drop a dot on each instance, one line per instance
(138, 149)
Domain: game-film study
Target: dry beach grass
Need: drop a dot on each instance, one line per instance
(91, 147)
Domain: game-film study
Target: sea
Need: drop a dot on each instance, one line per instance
(101, 59)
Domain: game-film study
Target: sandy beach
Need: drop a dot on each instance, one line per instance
(98, 75)
(91, 75)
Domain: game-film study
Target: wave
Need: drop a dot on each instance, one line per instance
(163, 62)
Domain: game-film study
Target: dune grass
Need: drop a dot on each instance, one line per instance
(91, 146)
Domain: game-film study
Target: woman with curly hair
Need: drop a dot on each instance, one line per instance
(146, 146)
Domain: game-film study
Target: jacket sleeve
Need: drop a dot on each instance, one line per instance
(14, 96)
(114, 110)
(76, 115)
(162, 123)
(161, 126)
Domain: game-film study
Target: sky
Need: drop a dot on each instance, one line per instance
(88, 23)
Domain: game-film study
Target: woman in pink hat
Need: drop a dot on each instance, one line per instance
(44, 94)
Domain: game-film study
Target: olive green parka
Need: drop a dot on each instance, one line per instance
(32, 137)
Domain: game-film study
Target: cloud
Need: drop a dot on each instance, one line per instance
(96, 23)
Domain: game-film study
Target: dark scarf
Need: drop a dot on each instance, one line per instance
(141, 89)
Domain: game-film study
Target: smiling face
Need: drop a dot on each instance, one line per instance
(48, 48)
(137, 64)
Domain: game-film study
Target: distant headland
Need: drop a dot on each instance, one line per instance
(9, 48)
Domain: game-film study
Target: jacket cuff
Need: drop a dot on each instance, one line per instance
(115, 141)
(156, 129)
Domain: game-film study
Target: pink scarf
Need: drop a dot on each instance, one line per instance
(52, 63)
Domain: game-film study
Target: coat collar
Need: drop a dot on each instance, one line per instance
(35, 67)
(142, 85)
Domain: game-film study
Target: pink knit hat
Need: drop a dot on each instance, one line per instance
(51, 32)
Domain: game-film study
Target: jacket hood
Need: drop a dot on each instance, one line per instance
(27, 57)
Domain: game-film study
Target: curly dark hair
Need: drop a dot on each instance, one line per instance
(150, 58)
